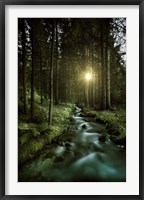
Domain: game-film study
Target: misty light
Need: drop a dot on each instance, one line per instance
(88, 76)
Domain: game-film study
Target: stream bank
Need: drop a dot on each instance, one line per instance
(82, 153)
(115, 121)
(33, 136)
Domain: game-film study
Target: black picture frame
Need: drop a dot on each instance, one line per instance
(3, 3)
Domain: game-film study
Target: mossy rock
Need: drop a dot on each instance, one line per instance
(83, 114)
(103, 137)
(118, 140)
(84, 126)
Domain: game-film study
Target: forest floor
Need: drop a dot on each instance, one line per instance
(115, 122)
(33, 136)
(83, 152)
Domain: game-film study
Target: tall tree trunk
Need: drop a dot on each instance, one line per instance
(24, 64)
(107, 65)
(41, 78)
(87, 93)
(103, 99)
(57, 61)
(99, 76)
(84, 69)
(51, 75)
(93, 80)
(41, 61)
(47, 84)
(108, 82)
(33, 66)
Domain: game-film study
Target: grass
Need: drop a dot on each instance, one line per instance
(115, 122)
(34, 136)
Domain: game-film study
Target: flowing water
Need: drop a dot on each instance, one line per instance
(82, 153)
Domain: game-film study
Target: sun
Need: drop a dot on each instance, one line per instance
(88, 76)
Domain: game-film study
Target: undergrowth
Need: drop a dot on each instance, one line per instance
(33, 136)
(115, 121)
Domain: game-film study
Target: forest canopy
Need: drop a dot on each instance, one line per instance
(55, 54)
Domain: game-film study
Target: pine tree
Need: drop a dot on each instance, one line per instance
(51, 74)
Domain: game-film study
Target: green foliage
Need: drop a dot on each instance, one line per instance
(54, 132)
(75, 50)
(34, 136)
(23, 139)
(36, 145)
(39, 166)
(114, 120)
(27, 134)
(37, 97)
(62, 113)
(28, 150)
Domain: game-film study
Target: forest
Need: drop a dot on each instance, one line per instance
(71, 99)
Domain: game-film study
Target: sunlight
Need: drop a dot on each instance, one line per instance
(88, 76)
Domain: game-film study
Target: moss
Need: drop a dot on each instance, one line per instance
(37, 169)
(115, 122)
(36, 145)
(30, 148)
(23, 139)
(34, 136)
(121, 140)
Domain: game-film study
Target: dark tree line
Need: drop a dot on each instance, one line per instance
(55, 54)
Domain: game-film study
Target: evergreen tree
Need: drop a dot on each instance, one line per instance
(51, 74)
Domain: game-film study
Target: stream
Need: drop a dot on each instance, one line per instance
(82, 153)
